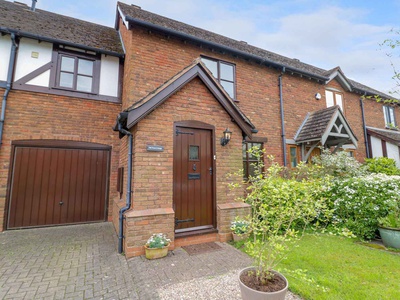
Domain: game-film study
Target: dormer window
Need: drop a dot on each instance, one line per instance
(334, 98)
(224, 72)
(388, 113)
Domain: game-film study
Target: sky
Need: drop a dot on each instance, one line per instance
(326, 34)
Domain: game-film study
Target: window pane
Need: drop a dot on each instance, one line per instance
(293, 157)
(212, 65)
(84, 84)
(339, 101)
(226, 72)
(253, 145)
(67, 64)
(391, 116)
(329, 99)
(244, 150)
(228, 87)
(253, 169)
(193, 152)
(85, 67)
(66, 80)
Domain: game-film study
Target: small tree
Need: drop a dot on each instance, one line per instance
(281, 210)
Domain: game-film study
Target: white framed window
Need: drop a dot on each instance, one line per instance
(388, 113)
(334, 98)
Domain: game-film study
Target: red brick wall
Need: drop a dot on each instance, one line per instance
(156, 58)
(153, 171)
(43, 116)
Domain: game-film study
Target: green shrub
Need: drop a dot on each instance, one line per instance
(382, 165)
(338, 164)
(358, 202)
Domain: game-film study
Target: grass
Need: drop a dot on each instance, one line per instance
(346, 269)
(343, 268)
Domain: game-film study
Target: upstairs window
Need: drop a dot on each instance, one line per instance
(250, 162)
(77, 72)
(224, 72)
(388, 112)
(334, 98)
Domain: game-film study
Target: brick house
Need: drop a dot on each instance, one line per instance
(171, 92)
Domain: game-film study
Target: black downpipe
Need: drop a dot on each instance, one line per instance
(364, 128)
(282, 119)
(128, 189)
(8, 85)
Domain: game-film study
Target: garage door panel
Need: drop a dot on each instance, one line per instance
(43, 197)
(53, 186)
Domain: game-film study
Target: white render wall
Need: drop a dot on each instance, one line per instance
(26, 63)
(393, 152)
(391, 149)
(32, 54)
(109, 75)
(5, 52)
(376, 146)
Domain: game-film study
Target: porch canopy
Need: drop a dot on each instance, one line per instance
(327, 128)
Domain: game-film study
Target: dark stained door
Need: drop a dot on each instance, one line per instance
(52, 186)
(193, 179)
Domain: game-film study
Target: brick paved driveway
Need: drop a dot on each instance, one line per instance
(81, 262)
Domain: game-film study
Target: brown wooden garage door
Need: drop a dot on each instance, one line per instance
(54, 183)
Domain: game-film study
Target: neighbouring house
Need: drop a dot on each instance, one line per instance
(184, 103)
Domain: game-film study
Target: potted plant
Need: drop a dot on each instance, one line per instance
(281, 210)
(240, 229)
(157, 246)
(389, 229)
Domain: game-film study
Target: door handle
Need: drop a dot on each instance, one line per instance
(61, 203)
(211, 170)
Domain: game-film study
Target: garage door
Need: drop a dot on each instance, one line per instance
(53, 183)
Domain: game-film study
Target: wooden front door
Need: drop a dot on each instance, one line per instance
(193, 179)
(52, 186)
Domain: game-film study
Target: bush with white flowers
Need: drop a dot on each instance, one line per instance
(358, 202)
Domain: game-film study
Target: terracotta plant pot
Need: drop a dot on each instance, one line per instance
(240, 237)
(390, 237)
(250, 294)
(153, 253)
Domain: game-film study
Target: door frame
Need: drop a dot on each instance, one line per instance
(54, 144)
(204, 126)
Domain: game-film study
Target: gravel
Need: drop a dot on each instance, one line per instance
(223, 287)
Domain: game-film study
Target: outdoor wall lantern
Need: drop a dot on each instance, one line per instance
(227, 137)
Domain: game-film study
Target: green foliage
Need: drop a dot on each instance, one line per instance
(358, 202)
(392, 220)
(281, 210)
(338, 164)
(158, 240)
(382, 165)
(240, 226)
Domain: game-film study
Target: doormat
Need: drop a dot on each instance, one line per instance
(201, 248)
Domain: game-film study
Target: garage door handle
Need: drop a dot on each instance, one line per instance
(61, 203)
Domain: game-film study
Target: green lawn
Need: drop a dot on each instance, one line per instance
(348, 270)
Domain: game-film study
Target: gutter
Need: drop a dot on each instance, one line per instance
(364, 128)
(222, 47)
(56, 41)
(10, 73)
(282, 119)
(123, 132)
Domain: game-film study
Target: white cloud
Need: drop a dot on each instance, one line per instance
(320, 34)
